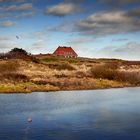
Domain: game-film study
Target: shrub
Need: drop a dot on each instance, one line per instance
(40, 82)
(17, 53)
(19, 50)
(15, 77)
(60, 75)
(35, 60)
(106, 71)
(130, 77)
(80, 74)
(9, 66)
(50, 59)
(72, 61)
(111, 72)
(65, 66)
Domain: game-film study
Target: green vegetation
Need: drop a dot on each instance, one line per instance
(50, 59)
(109, 60)
(19, 50)
(72, 61)
(35, 60)
(27, 87)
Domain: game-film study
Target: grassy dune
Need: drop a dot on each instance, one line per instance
(52, 74)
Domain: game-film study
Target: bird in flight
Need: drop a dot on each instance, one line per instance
(17, 37)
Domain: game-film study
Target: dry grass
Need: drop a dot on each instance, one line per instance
(16, 77)
(61, 66)
(9, 72)
(130, 77)
(9, 66)
(73, 83)
(27, 76)
(105, 71)
(111, 72)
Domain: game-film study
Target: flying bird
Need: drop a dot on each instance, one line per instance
(17, 37)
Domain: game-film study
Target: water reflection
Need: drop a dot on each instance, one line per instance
(100, 114)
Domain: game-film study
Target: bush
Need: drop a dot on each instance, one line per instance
(35, 60)
(61, 75)
(9, 66)
(106, 71)
(72, 61)
(130, 77)
(65, 66)
(111, 72)
(9, 71)
(17, 53)
(40, 82)
(50, 59)
(19, 50)
(15, 77)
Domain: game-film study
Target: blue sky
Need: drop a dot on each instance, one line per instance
(94, 28)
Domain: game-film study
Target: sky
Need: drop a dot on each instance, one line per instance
(93, 28)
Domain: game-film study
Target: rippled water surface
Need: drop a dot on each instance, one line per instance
(112, 114)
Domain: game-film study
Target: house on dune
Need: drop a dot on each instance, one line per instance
(66, 52)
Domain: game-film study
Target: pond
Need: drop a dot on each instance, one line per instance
(111, 114)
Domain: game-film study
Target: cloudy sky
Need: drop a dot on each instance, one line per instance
(94, 28)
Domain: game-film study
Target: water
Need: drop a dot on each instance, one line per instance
(112, 114)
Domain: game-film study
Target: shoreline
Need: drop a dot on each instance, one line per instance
(55, 89)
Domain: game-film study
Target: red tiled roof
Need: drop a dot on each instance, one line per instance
(65, 51)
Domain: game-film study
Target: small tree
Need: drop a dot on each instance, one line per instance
(18, 50)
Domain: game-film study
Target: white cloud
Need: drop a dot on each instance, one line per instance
(80, 40)
(22, 7)
(38, 44)
(102, 23)
(7, 23)
(106, 23)
(63, 9)
(22, 15)
(119, 3)
(130, 51)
